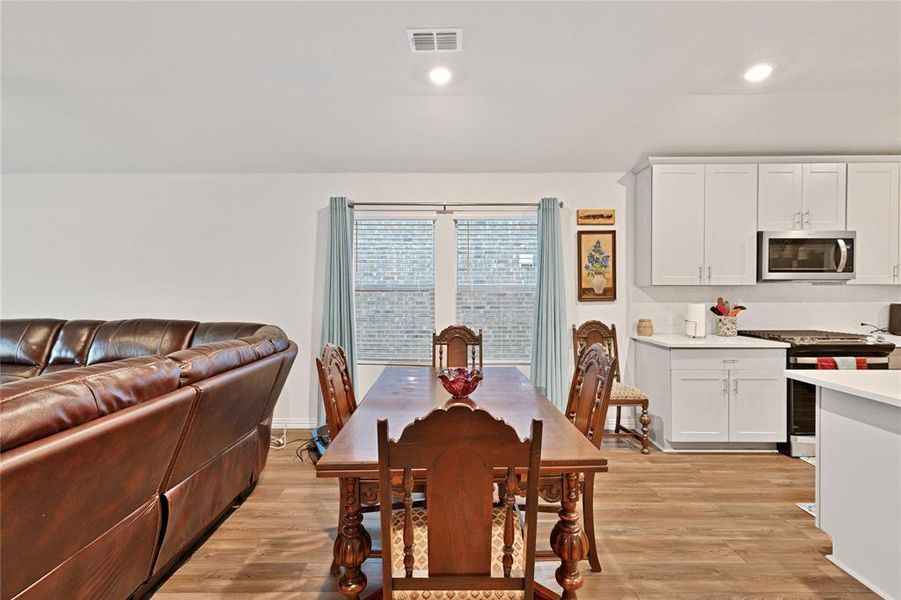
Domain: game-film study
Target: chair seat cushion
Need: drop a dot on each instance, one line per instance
(622, 391)
(421, 557)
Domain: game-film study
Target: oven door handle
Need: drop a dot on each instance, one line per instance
(843, 255)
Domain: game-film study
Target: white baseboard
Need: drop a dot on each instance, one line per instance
(293, 423)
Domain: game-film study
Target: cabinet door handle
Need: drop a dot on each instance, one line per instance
(735, 386)
(709, 273)
(796, 219)
(725, 387)
(895, 273)
(806, 219)
(700, 274)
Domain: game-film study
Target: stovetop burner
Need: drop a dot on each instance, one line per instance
(813, 337)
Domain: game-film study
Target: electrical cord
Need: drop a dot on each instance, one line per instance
(277, 443)
(281, 442)
(301, 449)
(306, 445)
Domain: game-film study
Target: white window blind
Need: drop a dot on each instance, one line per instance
(394, 289)
(496, 283)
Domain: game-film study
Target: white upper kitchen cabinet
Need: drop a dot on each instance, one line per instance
(677, 225)
(779, 201)
(873, 212)
(823, 196)
(697, 219)
(730, 224)
(696, 225)
(801, 196)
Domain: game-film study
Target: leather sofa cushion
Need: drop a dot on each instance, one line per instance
(201, 362)
(27, 341)
(10, 373)
(230, 405)
(204, 495)
(72, 345)
(69, 492)
(208, 333)
(125, 551)
(116, 340)
(35, 408)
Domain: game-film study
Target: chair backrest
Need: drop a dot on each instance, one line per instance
(337, 388)
(463, 450)
(453, 347)
(589, 394)
(595, 332)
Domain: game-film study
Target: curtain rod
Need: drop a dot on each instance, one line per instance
(446, 204)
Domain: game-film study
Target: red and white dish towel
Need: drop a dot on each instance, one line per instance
(843, 363)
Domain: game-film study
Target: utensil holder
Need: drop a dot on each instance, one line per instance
(725, 327)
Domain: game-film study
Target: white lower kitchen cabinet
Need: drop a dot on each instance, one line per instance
(700, 406)
(713, 394)
(757, 406)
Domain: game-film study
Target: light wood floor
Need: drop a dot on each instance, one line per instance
(670, 526)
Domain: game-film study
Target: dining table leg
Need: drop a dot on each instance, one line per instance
(353, 543)
(568, 541)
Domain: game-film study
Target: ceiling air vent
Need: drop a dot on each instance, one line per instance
(435, 40)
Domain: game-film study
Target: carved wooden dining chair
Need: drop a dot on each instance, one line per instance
(453, 347)
(337, 388)
(595, 332)
(589, 394)
(340, 403)
(463, 542)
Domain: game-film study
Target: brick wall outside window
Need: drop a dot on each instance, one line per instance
(496, 283)
(394, 289)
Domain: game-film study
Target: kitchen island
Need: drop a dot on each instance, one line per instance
(858, 477)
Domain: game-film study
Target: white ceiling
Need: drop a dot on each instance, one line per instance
(541, 86)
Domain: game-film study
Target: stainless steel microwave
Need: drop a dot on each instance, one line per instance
(805, 255)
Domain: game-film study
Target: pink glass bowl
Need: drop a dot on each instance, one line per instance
(460, 382)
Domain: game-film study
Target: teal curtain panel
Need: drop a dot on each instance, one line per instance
(549, 331)
(338, 307)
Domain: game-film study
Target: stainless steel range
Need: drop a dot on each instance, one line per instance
(812, 349)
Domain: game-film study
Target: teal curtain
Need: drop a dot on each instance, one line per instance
(549, 331)
(338, 304)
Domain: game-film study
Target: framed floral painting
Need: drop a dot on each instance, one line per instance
(597, 266)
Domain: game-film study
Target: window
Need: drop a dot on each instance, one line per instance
(496, 283)
(394, 289)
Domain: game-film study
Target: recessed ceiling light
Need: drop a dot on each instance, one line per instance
(440, 75)
(758, 72)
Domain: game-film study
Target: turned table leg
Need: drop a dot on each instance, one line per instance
(568, 541)
(645, 421)
(353, 543)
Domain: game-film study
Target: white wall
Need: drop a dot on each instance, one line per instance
(776, 305)
(236, 247)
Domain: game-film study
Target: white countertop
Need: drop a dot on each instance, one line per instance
(879, 385)
(676, 340)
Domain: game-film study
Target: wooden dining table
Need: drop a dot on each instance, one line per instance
(400, 395)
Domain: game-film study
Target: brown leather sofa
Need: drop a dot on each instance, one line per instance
(123, 443)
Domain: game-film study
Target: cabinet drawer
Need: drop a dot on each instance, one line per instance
(740, 358)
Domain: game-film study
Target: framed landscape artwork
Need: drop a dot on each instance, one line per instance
(597, 266)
